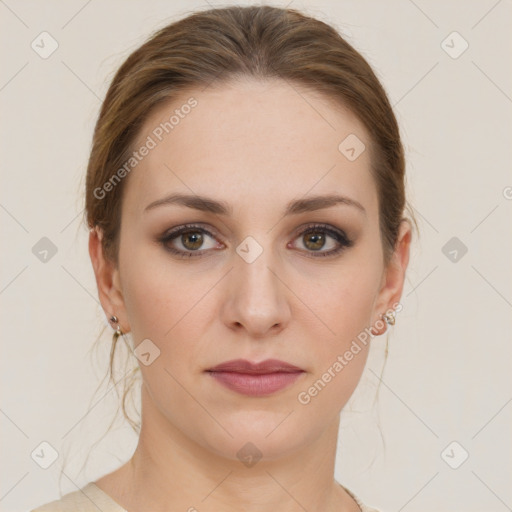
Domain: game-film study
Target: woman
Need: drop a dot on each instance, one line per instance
(245, 199)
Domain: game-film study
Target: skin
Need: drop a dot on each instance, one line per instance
(256, 146)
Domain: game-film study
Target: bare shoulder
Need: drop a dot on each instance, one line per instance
(357, 503)
(89, 498)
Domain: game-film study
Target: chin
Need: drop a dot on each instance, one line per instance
(260, 436)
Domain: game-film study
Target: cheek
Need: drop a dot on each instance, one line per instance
(345, 307)
(165, 304)
(152, 292)
(340, 356)
(346, 300)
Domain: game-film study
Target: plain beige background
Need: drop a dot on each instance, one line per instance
(447, 378)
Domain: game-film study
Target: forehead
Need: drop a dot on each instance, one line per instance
(251, 139)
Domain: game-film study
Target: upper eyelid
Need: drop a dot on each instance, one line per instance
(200, 226)
(189, 227)
(175, 232)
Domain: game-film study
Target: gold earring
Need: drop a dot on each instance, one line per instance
(389, 318)
(115, 320)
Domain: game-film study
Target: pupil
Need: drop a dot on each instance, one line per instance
(317, 241)
(196, 240)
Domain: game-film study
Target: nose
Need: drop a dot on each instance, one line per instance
(256, 297)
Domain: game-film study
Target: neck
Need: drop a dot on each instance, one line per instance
(171, 471)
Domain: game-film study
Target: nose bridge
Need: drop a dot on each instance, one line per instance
(252, 266)
(258, 299)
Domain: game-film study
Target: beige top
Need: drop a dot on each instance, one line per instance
(91, 498)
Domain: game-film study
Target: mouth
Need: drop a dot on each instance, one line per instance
(255, 379)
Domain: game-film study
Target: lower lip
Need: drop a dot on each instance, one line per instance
(256, 385)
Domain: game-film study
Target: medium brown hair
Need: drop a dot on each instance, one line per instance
(217, 45)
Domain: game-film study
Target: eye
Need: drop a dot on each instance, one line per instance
(315, 239)
(186, 240)
(191, 240)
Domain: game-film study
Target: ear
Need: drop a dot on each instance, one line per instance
(107, 280)
(393, 278)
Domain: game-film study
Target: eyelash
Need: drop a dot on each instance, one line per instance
(339, 236)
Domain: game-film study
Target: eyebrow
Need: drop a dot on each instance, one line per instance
(294, 207)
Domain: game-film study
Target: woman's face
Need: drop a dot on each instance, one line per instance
(268, 270)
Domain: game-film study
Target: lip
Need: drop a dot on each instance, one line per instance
(255, 379)
(244, 366)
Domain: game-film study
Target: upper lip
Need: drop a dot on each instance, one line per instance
(264, 367)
